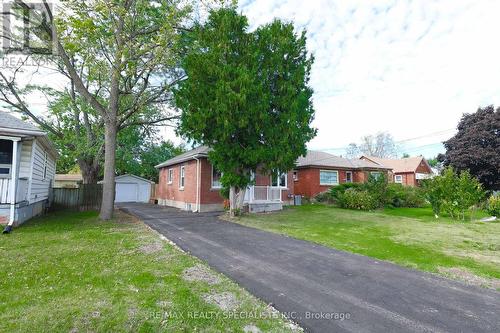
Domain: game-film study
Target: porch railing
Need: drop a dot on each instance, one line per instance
(22, 190)
(264, 193)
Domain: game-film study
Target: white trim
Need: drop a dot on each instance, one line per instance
(182, 177)
(332, 184)
(400, 177)
(13, 185)
(10, 138)
(212, 180)
(170, 176)
(278, 180)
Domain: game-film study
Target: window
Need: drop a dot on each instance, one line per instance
(6, 151)
(328, 177)
(5, 170)
(295, 176)
(170, 177)
(348, 176)
(216, 178)
(376, 175)
(398, 179)
(280, 180)
(181, 178)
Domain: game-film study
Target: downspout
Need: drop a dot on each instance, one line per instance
(197, 184)
(13, 187)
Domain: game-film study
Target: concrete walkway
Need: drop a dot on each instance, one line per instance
(313, 284)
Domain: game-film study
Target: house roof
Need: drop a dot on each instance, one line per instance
(69, 177)
(13, 125)
(408, 164)
(322, 159)
(129, 175)
(201, 151)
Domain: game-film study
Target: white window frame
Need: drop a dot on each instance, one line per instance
(400, 179)
(6, 166)
(347, 180)
(170, 176)
(212, 180)
(278, 180)
(373, 173)
(323, 184)
(182, 177)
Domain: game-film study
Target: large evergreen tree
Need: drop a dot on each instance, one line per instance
(246, 96)
(476, 146)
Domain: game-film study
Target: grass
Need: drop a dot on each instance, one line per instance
(411, 237)
(70, 272)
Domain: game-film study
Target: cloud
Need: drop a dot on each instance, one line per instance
(407, 67)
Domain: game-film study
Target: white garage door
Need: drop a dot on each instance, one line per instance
(127, 192)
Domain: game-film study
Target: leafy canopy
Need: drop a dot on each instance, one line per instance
(476, 146)
(246, 95)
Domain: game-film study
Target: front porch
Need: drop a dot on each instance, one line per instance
(262, 199)
(13, 190)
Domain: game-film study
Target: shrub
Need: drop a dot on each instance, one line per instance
(453, 193)
(404, 196)
(377, 187)
(493, 206)
(336, 191)
(357, 199)
(323, 197)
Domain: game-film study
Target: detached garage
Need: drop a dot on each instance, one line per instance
(130, 188)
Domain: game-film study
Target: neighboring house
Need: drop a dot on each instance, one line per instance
(406, 171)
(318, 171)
(132, 188)
(27, 169)
(69, 180)
(190, 182)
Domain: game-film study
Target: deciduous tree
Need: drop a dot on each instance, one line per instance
(476, 146)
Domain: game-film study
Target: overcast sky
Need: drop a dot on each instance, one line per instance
(411, 68)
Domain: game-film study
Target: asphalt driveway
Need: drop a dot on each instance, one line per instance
(316, 285)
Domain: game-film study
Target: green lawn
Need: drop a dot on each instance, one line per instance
(69, 272)
(411, 237)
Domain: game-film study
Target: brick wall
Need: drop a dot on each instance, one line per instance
(173, 191)
(208, 195)
(308, 182)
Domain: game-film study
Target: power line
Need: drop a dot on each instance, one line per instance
(401, 141)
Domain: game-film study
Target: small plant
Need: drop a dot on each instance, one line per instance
(493, 206)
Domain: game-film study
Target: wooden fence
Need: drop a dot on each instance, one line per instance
(85, 197)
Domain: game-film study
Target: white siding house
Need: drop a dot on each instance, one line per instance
(27, 170)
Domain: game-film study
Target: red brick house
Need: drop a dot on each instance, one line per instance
(190, 182)
(407, 171)
(318, 171)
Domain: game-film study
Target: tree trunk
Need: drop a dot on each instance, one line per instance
(90, 172)
(240, 198)
(108, 191)
(232, 201)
